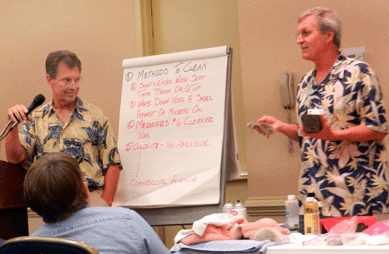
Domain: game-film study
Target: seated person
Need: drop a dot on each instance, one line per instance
(54, 188)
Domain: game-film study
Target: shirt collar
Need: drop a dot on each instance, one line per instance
(77, 108)
(337, 71)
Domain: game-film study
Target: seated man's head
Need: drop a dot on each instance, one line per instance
(54, 187)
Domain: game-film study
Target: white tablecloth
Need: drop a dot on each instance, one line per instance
(294, 249)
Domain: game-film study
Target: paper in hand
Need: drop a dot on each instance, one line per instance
(264, 127)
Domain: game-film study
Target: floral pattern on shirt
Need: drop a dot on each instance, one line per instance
(348, 178)
(87, 135)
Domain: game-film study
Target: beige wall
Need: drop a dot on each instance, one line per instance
(268, 47)
(195, 24)
(102, 34)
(99, 32)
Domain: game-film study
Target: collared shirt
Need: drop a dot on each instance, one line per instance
(113, 230)
(87, 135)
(348, 178)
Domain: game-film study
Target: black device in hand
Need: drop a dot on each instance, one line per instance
(311, 123)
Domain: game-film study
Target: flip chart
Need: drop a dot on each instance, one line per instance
(173, 123)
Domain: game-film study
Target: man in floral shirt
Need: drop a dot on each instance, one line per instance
(68, 124)
(345, 163)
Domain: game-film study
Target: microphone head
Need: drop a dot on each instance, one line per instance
(38, 100)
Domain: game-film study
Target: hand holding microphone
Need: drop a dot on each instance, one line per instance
(19, 113)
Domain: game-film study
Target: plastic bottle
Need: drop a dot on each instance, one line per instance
(292, 213)
(227, 208)
(311, 217)
(239, 209)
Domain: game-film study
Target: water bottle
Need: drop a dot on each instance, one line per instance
(227, 208)
(292, 213)
(239, 209)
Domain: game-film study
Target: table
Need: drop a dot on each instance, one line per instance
(294, 249)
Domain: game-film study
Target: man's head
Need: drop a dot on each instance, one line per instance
(326, 20)
(63, 69)
(319, 26)
(54, 187)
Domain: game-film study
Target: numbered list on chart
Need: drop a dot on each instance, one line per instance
(171, 132)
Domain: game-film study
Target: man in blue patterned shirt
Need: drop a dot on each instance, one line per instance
(345, 163)
(68, 124)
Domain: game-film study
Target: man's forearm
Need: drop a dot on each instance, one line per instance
(290, 130)
(13, 148)
(111, 181)
(358, 133)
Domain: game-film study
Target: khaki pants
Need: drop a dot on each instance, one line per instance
(96, 200)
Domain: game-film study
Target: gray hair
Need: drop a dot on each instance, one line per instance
(65, 56)
(327, 20)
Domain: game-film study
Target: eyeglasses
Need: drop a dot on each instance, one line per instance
(304, 33)
(68, 82)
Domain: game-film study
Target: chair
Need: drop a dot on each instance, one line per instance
(45, 245)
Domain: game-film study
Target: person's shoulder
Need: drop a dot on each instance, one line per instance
(115, 212)
(112, 210)
(93, 110)
(85, 104)
(123, 210)
(352, 64)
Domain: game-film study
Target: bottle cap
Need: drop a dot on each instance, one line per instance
(310, 199)
(228, 204)
(291, 197)
(238, 204)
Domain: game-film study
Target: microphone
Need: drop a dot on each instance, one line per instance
(38, 100)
